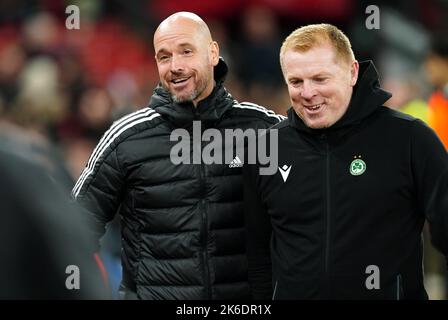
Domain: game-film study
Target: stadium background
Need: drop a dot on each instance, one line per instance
(61, 89)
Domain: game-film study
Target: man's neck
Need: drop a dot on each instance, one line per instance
(206, 95)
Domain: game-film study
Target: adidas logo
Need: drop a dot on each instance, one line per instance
(236, 163)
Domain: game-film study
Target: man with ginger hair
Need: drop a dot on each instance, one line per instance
(343, 217)
(182, 224)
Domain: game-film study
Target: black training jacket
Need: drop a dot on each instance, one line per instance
(347, 206)
(182, 225)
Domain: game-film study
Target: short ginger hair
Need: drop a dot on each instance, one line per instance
(307, 37)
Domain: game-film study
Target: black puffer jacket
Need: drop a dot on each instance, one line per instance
(182, 225)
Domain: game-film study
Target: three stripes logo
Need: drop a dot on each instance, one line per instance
(236, 163)
(115, 131)
(256, 107)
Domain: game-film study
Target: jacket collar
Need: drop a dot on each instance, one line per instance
(367, 97)
(209, 110)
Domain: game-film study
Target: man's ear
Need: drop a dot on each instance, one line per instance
(354, 70)
(214, 53)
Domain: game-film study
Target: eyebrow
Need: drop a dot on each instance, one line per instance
(318, 74)
(321, 74)
(185, 44)
(162, 50)
(182, 45)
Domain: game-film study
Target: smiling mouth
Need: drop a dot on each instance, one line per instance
(180, 80)
(315, 107)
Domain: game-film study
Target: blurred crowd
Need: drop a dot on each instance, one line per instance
(61, 89)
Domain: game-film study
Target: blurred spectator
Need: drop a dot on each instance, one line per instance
(39, 103)
(256, 58)
(38, 149)
(12, 60)
(41, 34)
(27, 118)
(407, 96)
(77, 152)
(40, 231)
(95, 112)
(437, 70)
(259, 50)
(71, 80)
(436, 66)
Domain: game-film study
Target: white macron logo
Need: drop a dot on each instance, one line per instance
(285, 171)
(236, 163)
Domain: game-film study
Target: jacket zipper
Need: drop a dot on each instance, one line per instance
(204, 223)
(204, 237)
(328, 211)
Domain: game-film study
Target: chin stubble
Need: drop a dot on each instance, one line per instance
(194, 95)
(189, 98)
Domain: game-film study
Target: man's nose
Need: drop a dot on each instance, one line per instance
(176, 64)
(308, 90)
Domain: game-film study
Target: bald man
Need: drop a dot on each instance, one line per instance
(186, 56)
(181, 221)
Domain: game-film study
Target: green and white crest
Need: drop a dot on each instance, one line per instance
(357, 167)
